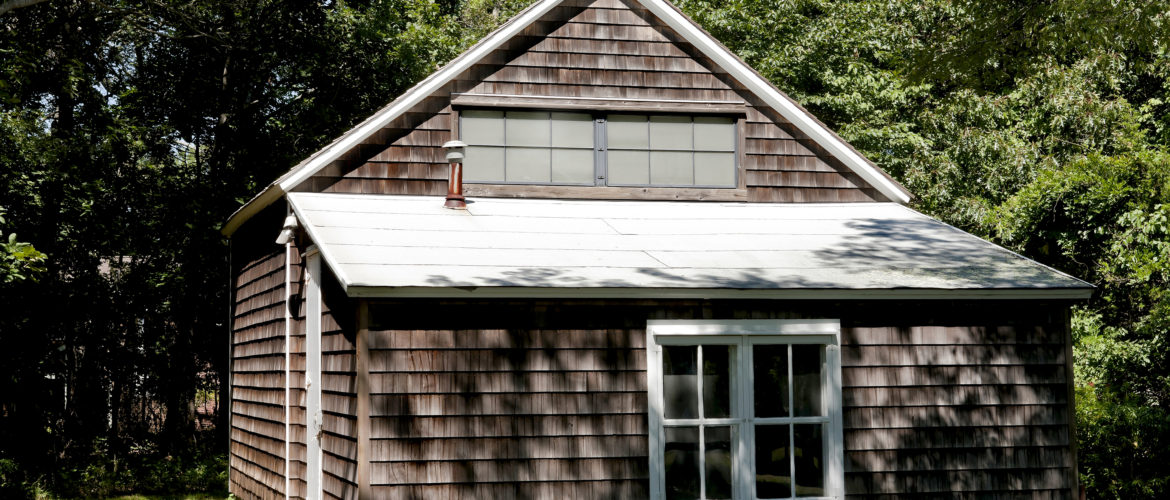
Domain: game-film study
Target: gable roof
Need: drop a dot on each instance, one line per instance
(411, 246)
(720, 55)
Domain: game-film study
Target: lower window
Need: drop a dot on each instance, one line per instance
(744, 409)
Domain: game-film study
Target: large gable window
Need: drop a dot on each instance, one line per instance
(744, 409)
(569, 148)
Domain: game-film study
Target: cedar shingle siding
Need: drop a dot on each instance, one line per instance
(541, 399)
(257, 381)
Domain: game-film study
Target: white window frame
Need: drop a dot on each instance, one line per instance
(601, 148)
(744, 334)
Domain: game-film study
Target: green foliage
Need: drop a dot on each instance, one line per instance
(199, 470)
(18, 260)
(1041, 125)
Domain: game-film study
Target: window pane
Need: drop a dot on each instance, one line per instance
(573, 166)
(627, 132)
(527, 165)
(572, 130)
(527, 128)
(478, 127)
(773, 473)
(681, 462)
(628, 167)
(714, 134)
(680, 391)
(670, 168)
(483, 164)
(810, 464)
(715, 169)
(770, 371)
(717, 461)
(806, 380)
(717, 381)
(671, 132)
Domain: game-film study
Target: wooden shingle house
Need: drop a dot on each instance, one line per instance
(669, 281)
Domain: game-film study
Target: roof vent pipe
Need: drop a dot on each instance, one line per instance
(455, 179)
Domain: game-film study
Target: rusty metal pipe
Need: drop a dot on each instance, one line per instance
(455, 198)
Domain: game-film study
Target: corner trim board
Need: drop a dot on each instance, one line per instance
(313, 453)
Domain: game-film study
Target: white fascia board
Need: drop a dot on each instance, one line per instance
(415, 95)
(774, 98)
(379, 120)
(359, 291)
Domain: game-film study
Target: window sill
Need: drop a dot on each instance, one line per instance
(604, 192)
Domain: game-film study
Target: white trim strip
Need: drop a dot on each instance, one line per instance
(415, 95)
(313, 454)
(287, 369)
(708, 293)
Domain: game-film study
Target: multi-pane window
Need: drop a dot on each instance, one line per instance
(741, 414)
(542, 147)
(528, 147)
(670, 150)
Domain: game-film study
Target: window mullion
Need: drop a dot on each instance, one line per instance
(600, 153)
(702, 461)
(791, 427)
(702, 414)
(747, 408)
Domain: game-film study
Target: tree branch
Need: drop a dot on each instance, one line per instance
(16, 4)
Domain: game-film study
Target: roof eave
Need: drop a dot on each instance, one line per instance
(384, 292)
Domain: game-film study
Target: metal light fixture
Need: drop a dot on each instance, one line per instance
(286, 233)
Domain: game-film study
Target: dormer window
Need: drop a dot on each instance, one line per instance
(572, 148)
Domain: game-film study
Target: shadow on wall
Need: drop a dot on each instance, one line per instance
(516, 399)
(944, 409)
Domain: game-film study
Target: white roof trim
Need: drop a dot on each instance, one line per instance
(714, 293)
(776, 99)
(669, 14)
(373, 124)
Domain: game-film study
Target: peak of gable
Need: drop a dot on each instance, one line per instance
(641, 53)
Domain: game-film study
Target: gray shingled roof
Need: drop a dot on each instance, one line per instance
(412, 246)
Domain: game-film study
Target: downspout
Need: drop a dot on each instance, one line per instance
(286, 238)
(231, 325)
(287, 368)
